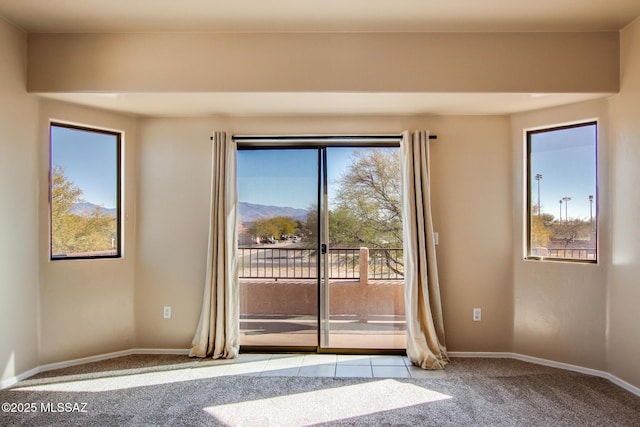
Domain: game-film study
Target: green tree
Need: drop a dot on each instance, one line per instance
(541, 229)
(263, 228)
(368, 201)
(368, 206)
(72, 233)
(285, 224)
(345, 229)
(276, 227)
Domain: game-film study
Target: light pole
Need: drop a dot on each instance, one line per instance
(566, 208)
(560, 210)
(590, 208)
(538, 177)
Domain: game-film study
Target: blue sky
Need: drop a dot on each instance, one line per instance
(89, 161)
(286, 177)
(567, 161)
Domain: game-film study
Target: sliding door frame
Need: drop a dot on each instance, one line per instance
(320, 143)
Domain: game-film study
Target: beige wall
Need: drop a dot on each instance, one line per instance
(472, 208)
(560, 308)
(366, 62)
(474, 258)
(86, 305)
(624, 280)
(173, 197)
(18, 210)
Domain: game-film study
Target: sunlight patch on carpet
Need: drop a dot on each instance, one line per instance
(90, 384)
(326, 405)
(120, 382)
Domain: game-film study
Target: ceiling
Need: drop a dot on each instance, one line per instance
(318, 15)
(95, 16)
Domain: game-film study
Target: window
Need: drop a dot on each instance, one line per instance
(562, 193)
(84, 192)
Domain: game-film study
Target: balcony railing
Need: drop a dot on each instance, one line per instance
(343, 263)
(573, 253)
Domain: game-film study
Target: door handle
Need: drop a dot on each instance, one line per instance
(323, 249)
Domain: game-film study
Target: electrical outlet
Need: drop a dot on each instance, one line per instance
(477, 314)
(167, 312)
(436, 238)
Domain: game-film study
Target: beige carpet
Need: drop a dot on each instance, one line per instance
(176, 390)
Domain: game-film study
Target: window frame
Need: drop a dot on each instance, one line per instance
(119, 135)
(529, 186)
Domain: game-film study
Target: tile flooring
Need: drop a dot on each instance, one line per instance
(319, 365)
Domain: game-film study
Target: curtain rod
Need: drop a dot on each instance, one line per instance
(248, 139)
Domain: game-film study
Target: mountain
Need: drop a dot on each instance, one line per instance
(86, 209)
(250, 212)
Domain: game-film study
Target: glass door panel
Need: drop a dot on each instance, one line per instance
(277, 247)
(362, 287)
(320, 248)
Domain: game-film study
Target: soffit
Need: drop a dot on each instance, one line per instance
(324, 103)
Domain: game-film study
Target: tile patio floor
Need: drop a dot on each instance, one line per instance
(318, 365)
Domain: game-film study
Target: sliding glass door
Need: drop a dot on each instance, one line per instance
(320, 248)
(277, 247)
(363, 292)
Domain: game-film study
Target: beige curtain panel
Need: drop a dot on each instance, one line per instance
(218, 330)
(425, 328)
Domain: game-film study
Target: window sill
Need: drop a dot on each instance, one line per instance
(565, 260)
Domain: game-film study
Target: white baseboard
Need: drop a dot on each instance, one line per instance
(23, 376)
(551, 363)
(177, 351)
(97, 358)
(498, 355)
(480, 354)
